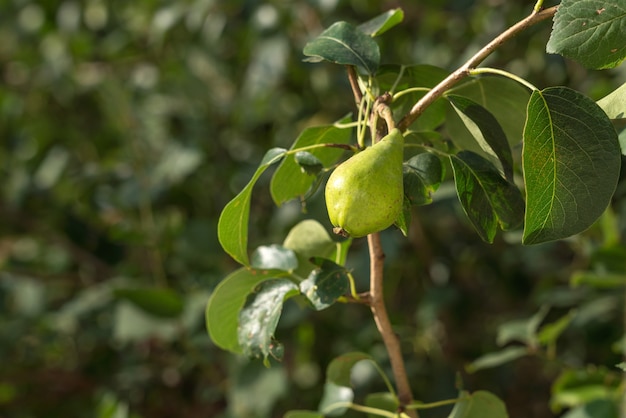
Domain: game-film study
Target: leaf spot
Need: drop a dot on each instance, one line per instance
(599, 11)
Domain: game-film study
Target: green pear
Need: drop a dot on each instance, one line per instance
(365, 193)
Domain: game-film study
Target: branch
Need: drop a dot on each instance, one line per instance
(473, 62)
(377, 305)
(354, 83)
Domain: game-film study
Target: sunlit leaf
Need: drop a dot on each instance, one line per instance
(334, 399)
(259, 317)
(485, 128)
(487, 198)
(289, 182)
(232, 227)
(382, 23)
(571, 161)
(275, 257)
(591, 32)
(343, 43)
(307, 239)
(614, 104)
(222, 312)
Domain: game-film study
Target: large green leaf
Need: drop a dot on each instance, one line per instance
(382, 23)
(156, 301)
(289, 182)
(309, 239)
(232, 227)
(344, 43)
(571, 160)
(592, 32)
(325, 284)
(614, 104)
(222, 312)
(480, 404)
(486, 197)
(485, 128)
(259, 317)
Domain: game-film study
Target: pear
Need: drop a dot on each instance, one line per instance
(365, 193)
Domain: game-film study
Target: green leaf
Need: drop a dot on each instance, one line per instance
(497, 358)
(485, 128)
(334, 399)
(487, 198)
(382, 23)
(404, 219)
(604, 408)
(309, 163)
(340, 368)
(592, 32)
(259, 317)
(522, 330)
(614, 104)
(480, 404)
(504, 98)
(384, 401)
(571, 161)
(303, 414)
(309, 239)
(343, 43)
(274, 257)
(576, 387)
(288, 181)
(227, 300)
(232, 227)
(325, 284)
(549, 333)
(422, 175)
(598, 280)
(158, 302)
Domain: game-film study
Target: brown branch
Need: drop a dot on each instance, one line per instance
(377, 305)
(354, 83)
(473, 62)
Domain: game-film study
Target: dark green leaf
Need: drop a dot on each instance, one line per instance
(502, 97)
(487, 198)
(404, 220)
(497, 358)
(422, 175)
(592, 32)
(259, 317)
(288, 182)
(485, 128)
(382, 23)
(325, 284)
(604, 408)
(334, 399)
(571, 161)
(226, 301)
(480, 404)
(343, 43)
(232, 228)
(159, 302)
(614, 104)
(522, 330)
(309, 163)
(274, 257)
(384, 401)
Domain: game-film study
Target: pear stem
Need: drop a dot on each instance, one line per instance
(379, 311)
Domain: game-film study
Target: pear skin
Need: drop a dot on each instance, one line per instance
(365, 193)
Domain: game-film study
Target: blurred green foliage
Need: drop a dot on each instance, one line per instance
(125, 127)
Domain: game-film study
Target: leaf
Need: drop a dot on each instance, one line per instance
(486, 130)
(480, 404)
(303, 414)
(576, 387)
(504, 98)
(334, 399)
(614, 104)
(288, 181)
(226, 301)
(592, 32)
(325, 284)
(340, 368)
(384, 401)
(598, 280)
(158, 302)
(522, 330)
(259, 317)
(487, 198)
(571, 162)
(274, 257)
(422, 174)
(604, 408)
(345, 44)
(232, 227)
(549, 333)
(497, 358)
(307, 239)
(309, 163)
(382, 23)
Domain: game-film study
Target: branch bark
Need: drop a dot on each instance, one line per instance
(379, 311)
(473, 62)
